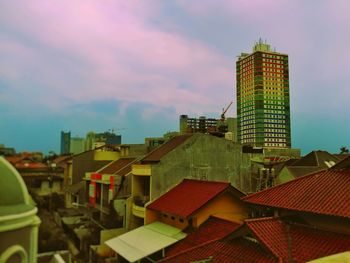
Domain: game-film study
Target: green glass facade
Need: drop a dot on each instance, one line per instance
(263, 106)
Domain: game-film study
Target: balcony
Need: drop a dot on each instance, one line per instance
(138, 206)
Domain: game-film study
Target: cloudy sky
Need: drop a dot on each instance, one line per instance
(135, 66)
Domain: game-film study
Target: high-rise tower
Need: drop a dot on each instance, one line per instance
(263, 111)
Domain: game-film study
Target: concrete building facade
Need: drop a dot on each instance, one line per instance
(263, 104)
(194, 156)
(65, 142)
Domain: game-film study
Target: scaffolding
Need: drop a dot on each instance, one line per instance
(266, 175)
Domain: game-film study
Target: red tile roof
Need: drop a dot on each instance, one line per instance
(325, 192)
(212, 229)
(188, 196)
(31, 165)
(305, 243)
(308, 244)
(272, 234)
(14, 158)
(165, 148)
(116, 166)
(235, 251)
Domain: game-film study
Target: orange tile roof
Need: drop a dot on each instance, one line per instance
(165, 148)
(15, 158)
(325, 192)
(176, 200)
(31, 165)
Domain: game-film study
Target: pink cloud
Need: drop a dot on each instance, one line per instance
(110, 50)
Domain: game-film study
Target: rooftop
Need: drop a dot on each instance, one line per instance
(303, 242)
(319, 158)
(238, 250)
(325, 192)
(115, 166)
(212, 229)
(176, 200)
(165, 148)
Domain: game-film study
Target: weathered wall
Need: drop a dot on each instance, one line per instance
(81, 164)
(284, 176)
(202, 157)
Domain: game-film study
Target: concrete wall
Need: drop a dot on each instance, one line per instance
(165, 218)
(284, 176)
(136, 150)
(202, 157)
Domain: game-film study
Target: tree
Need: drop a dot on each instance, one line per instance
(344, 150)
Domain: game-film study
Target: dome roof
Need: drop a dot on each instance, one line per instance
(14, 196)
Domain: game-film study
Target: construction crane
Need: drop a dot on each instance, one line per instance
(224, 111)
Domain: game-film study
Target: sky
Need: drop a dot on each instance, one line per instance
(135, 66)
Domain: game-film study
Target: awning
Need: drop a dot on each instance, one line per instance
(145, 240)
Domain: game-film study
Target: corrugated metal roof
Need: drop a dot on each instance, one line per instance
(188, 196)
(325, 192)
(144, 241)
(115, 166)
(165, 148)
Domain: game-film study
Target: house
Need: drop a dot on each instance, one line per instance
(237, 250)
(266, 240)
(312, 162)
(192, 202)
(93, 160)
(190, 206)
(193, 156)
(42, 179)
(212, 229)
(321, 199)
(108, 189)
(310, 220)
(291, 241)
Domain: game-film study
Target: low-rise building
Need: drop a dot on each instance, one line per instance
(321, 199)
(312, 162)
(108, 189)
(266, 240)
(192, 202)
(194, 156)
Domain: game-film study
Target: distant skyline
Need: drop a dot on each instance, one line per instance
(136, 66)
